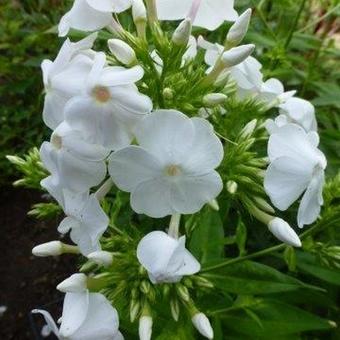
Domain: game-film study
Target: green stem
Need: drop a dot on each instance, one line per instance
(296, 21)
(257, 254)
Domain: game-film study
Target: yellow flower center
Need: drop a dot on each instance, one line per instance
(102, 94)
(173, 170)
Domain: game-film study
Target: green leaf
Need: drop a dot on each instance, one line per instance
(241, 237)
(308, 264)
(207, 239)
(251, 278)
(276, 318)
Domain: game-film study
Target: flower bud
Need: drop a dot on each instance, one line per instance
(76, 283)
(145, 327)
(284, 232)
(232, 187)
(183, 292)
(134, 310)
(182, 33)
(122, 51)
(53, 248)
(213, 99)
(103, 258)
(239, 29)
(214, 205)
(249, 129)
(174, 307)
(202, 324)
(138, 11)
(168, 93)
(237, 55)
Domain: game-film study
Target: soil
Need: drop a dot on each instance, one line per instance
(27, 282)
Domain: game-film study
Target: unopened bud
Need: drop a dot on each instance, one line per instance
(168, 93)
(174, 307)
(239, 29)
(74, 284)
(134, 310)
(138, 11)
(103, 258)
(122, 51)
(53, 248)
(249, 129)
(15, 160)
(232, 187)
(284, 232)
(202, 324)
(145, 287)
(214, 205)
(213, 99)
(183, 292)
(145, 327)
(203, 282)
(237, 55)
(264, 205)
(182, 33)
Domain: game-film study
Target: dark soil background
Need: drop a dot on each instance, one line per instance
(27, 282)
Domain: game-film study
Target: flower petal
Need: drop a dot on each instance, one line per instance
(74, 312)
(131, 166)
(285, 180)
(167, 134)
(189, 194)
(312, 200)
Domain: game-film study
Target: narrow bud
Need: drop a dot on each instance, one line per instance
(103, 258)
(284, 232)
(202, 324)
(76, 283)
(134, 310)
(183, 292)
(182, 33)
(232, 187)
(249, 129)
(145, 327)
(122, 51)
(174, 306)
(239, 29)
(213, 99)
(237, 55)
(15, 160)
(264, 205)
(214, 205)
(145, 287)
(53, 248)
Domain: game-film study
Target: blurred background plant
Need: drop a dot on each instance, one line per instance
(297, 41)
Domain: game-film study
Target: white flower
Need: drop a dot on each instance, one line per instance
(202, 324)
(272, 90)
(72, 160)
(172, 169)
(182, 33)
(284, 232)
(85, 218)
(166, 259)
(86, 316)
(297, 166)
(210, 15)
(110, 107)
(91, 15)
(294, 110)
(65, 77)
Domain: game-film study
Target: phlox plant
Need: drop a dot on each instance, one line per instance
(169, 155)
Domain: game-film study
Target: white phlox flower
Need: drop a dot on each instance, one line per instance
(85, 218)
(91, 15)
(296, 166)
(209, 14)
(172, 169)
(166, 259)
(110, 107)
(72, 160)
(294, 110)
(65, 77)
(85, 316)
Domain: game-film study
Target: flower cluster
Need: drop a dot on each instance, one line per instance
(117, 123)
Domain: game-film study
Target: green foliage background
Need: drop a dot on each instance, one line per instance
(287, 295)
